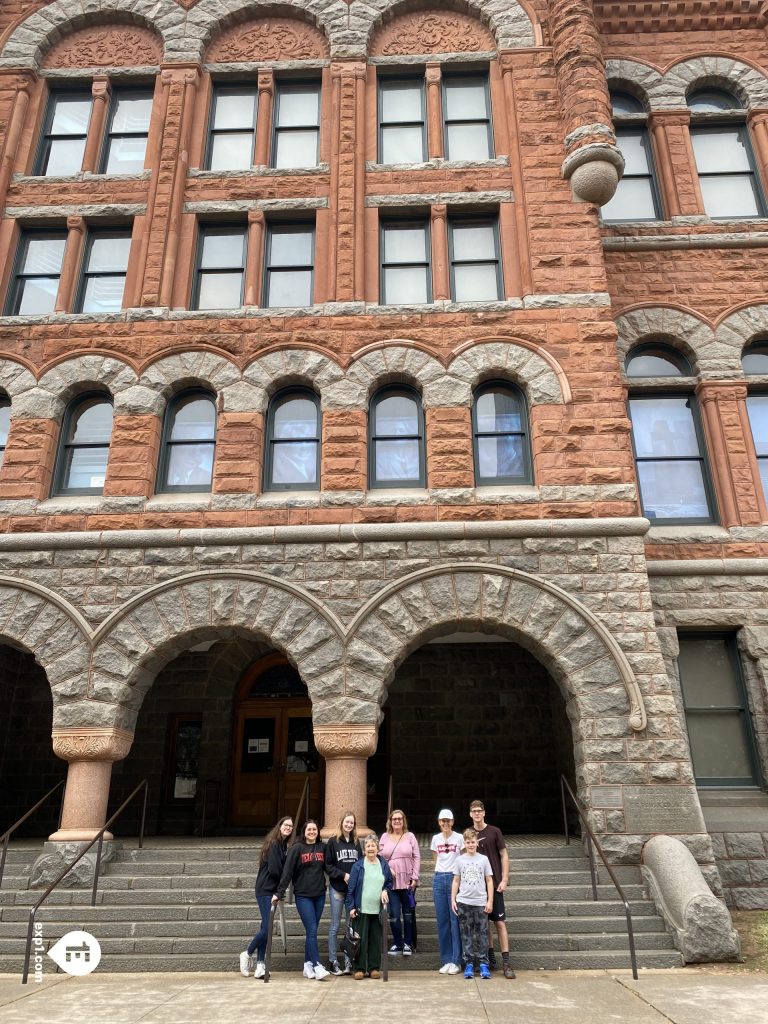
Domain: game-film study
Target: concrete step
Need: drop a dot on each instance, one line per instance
(181, 927)
(541, 960)
(428, 945)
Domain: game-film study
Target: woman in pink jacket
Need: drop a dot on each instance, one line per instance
(400, 850)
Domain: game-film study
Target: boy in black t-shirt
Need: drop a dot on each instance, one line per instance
(490, 842)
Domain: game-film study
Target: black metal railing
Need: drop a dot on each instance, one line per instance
(96, 839)
(5, 837)
(206, 785)
(592, 845)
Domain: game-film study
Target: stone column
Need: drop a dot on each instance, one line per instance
(65, 297)
(346, 749)
(91, 753)
(593, 163)
(434, 112)
(101, 92)
(441, 287)
(255, 259)
(19, 86)
(657, 123)
(734, 469)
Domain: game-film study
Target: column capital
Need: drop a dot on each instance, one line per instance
(669, 117)
(92, 744)
(256, 217)
(186, 74)
(349, 69)
(434, 73)
(345, 740)
(757, 115)
(266, 81)
(721, 390)
(100, 87)
(439, 211)
(75, 224)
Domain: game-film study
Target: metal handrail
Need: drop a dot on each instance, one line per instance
(99, 838)
(302, 799)
(5, 837)
(594, 844)
(210, 782)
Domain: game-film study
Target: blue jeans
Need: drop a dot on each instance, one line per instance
(258, 943)
(448, 934)
(310, 911)
(399, 904)
(337, 908)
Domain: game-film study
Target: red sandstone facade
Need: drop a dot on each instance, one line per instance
(577, 292)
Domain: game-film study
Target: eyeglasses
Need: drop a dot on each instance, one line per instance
(396, 819)
(477, 810)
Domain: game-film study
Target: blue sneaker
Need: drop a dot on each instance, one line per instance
(469, 972)
(485, 972)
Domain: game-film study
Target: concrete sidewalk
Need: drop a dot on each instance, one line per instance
(689, 996)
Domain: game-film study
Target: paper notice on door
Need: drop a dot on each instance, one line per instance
(258, 746)
(301, 747)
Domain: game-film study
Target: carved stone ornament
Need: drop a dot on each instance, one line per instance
(106, 46)
(432, 32)
(346, 740)
(92, 744)
(268, 39)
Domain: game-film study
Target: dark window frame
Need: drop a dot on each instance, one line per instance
(481, 481)
(278, 399)
(212, 132)
(488, 120)
(623, 128)
(13, 298)
(118, 93)
(731, 116)
(731, 646)
(393, 391)
(757, 392)
(664, 351)
(479, 220)
(166, 444)
(5, 403)
(204, 229)
(175, 722)
(410, 222)
(46, 136)
(85, 274)
(703, 457)
(288, 227)
(59, 489)
(381, 124)
(280, 86)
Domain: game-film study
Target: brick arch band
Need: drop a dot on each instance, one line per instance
(585, 659)
(185, 34)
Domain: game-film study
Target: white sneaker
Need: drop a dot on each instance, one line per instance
(444, 969)
(309, 970)
(453, 969)
(261, 969)
(246, 964)
(320, 972)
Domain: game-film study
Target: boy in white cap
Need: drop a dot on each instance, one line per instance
(446, 848)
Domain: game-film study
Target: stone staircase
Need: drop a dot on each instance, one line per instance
(189, 906)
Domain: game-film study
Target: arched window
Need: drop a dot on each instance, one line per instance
(755, 362)
(656, 361)
(670, 461)
(500, 431)
(727, 173)
(637, 197)
(293, 442)
(189, 443)
(84, 448)
(396, 455)
(5, 424)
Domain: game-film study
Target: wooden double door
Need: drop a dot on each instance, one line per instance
(274, 755)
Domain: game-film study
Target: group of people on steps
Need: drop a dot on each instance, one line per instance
(470, 876)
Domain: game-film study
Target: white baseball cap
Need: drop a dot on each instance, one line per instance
(445, 813)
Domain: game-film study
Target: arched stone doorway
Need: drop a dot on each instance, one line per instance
(473, 716)
(273, 751)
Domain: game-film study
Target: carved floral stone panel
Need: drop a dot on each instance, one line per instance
(268, 39)
(432, 32)
(105, 46)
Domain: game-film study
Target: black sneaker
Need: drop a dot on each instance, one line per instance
(333, 967)
(492, 961)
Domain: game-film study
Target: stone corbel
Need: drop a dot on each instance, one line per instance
(594, 171)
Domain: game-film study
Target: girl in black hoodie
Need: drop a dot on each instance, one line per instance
(305, 868)
(342, 853)
(271, 863)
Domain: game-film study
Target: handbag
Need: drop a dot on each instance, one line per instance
(351, 942)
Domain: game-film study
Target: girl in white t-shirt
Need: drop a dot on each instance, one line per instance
(446, 848)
